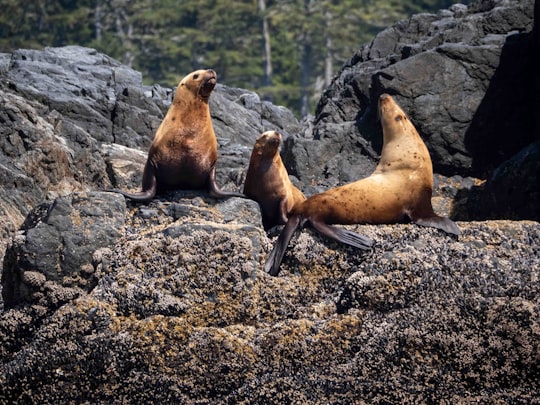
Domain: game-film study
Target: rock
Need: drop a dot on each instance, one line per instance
(167, 302)
(512, 191)
(124, 165)
(50, 261)
(189, 316)
(73, 119)
(463, 75)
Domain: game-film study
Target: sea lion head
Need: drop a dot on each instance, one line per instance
(268, 144)
(200, 82)
(393, 118)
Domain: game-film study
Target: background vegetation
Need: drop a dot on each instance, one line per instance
(286, 50)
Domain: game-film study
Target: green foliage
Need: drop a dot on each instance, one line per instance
(166, 39)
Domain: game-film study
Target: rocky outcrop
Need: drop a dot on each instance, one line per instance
(72, 119)
(463, 75)
(108, 302)
(50, 262)
(182, 312)
(512, 191)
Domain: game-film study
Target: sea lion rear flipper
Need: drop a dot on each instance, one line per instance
(216, 192)
(276, 256)
(445, 224)
(343, 235)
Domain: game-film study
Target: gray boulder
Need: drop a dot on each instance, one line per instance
(50, 261)
(512, 191)
(463, 75)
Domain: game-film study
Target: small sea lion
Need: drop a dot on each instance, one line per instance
(398, 190)
(183, 154)
(268, 183)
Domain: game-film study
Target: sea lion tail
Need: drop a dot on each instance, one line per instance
(276, 256)
(343, 235)
(445, 224)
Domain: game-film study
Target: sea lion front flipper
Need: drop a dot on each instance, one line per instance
(282, 215)
(216, 192)
(343, 235)
(141, 196)
(149, 186)
(276, 256)
(445, 224)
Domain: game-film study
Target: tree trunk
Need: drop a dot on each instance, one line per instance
(305, 63)
(125, 36)
(305, 66)
(328, 60)
(267, 55)
(97, 18)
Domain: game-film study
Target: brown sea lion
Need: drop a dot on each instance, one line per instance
(398, 190)
(183, 154)
(268, 183)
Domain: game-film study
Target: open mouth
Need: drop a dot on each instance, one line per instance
(208, 84)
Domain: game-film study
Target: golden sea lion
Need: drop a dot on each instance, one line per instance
(268, 183)
(183, 154)
(400, 188)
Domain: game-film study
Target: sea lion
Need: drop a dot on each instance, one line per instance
(183, 153)
(400, 188)
(268, 183)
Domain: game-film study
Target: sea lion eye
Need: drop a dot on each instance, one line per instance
(195, 76)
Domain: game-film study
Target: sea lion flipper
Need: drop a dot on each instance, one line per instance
(354, 239)
(343, 235)
(149, 186)
(283, 211)
(276, 256)
(442, 223)
(216, 192)
(141, 196)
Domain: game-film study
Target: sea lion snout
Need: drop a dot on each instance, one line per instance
(273, 142)
(211, 76)
(389, 110)
(208, 82)
(385, 100)
(274, 137)
(270, 139)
